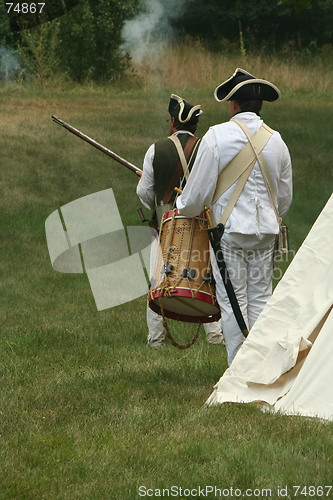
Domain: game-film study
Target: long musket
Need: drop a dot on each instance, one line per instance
(104, 150)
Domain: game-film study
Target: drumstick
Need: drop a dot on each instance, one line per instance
(210, 218)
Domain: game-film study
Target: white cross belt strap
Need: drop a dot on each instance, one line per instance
(263, 167)
(241, 166)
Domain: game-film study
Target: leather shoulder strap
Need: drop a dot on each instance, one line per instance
(181, 155)
(182, 165)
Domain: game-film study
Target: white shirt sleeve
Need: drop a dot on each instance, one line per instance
(198, 193)
(146, 186)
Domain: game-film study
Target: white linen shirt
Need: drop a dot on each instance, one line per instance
(253, 212)
(146, 186)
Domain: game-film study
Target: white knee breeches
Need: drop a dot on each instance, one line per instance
(249, 261)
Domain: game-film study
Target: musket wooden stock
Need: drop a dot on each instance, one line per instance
(92, 142)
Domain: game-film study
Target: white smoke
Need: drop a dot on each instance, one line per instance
(9, 64)
(145, 36)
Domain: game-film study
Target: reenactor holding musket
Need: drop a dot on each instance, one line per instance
(162, 172)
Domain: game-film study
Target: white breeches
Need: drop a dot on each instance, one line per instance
(249, 261)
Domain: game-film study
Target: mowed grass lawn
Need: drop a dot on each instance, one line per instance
(87, 410)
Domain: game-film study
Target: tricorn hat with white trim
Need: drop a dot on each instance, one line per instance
(242, 86)
(183, 111)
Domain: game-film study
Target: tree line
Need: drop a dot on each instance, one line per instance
(82, 38)
(265, 23)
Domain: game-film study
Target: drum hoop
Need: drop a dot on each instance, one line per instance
(192, 294)
(174, 214)
(185, 319)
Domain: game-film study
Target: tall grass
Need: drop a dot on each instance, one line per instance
(87, 411)
(193, 66)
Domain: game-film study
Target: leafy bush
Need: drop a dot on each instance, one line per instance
(89, 39)
(83, 44)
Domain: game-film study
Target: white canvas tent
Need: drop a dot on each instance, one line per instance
(286, 361)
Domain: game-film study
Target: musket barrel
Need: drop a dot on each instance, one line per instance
(94, 143)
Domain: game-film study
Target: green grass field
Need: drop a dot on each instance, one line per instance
(87, 410)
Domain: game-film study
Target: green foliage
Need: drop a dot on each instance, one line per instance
(265, 23)
(92, 35)
(299, 4)
(38, 51)
(83, 44)
(6, 35)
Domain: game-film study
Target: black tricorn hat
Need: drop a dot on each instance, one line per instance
(183, 111)
(242, 86)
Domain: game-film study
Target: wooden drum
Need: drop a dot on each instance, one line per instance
(182, 286)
